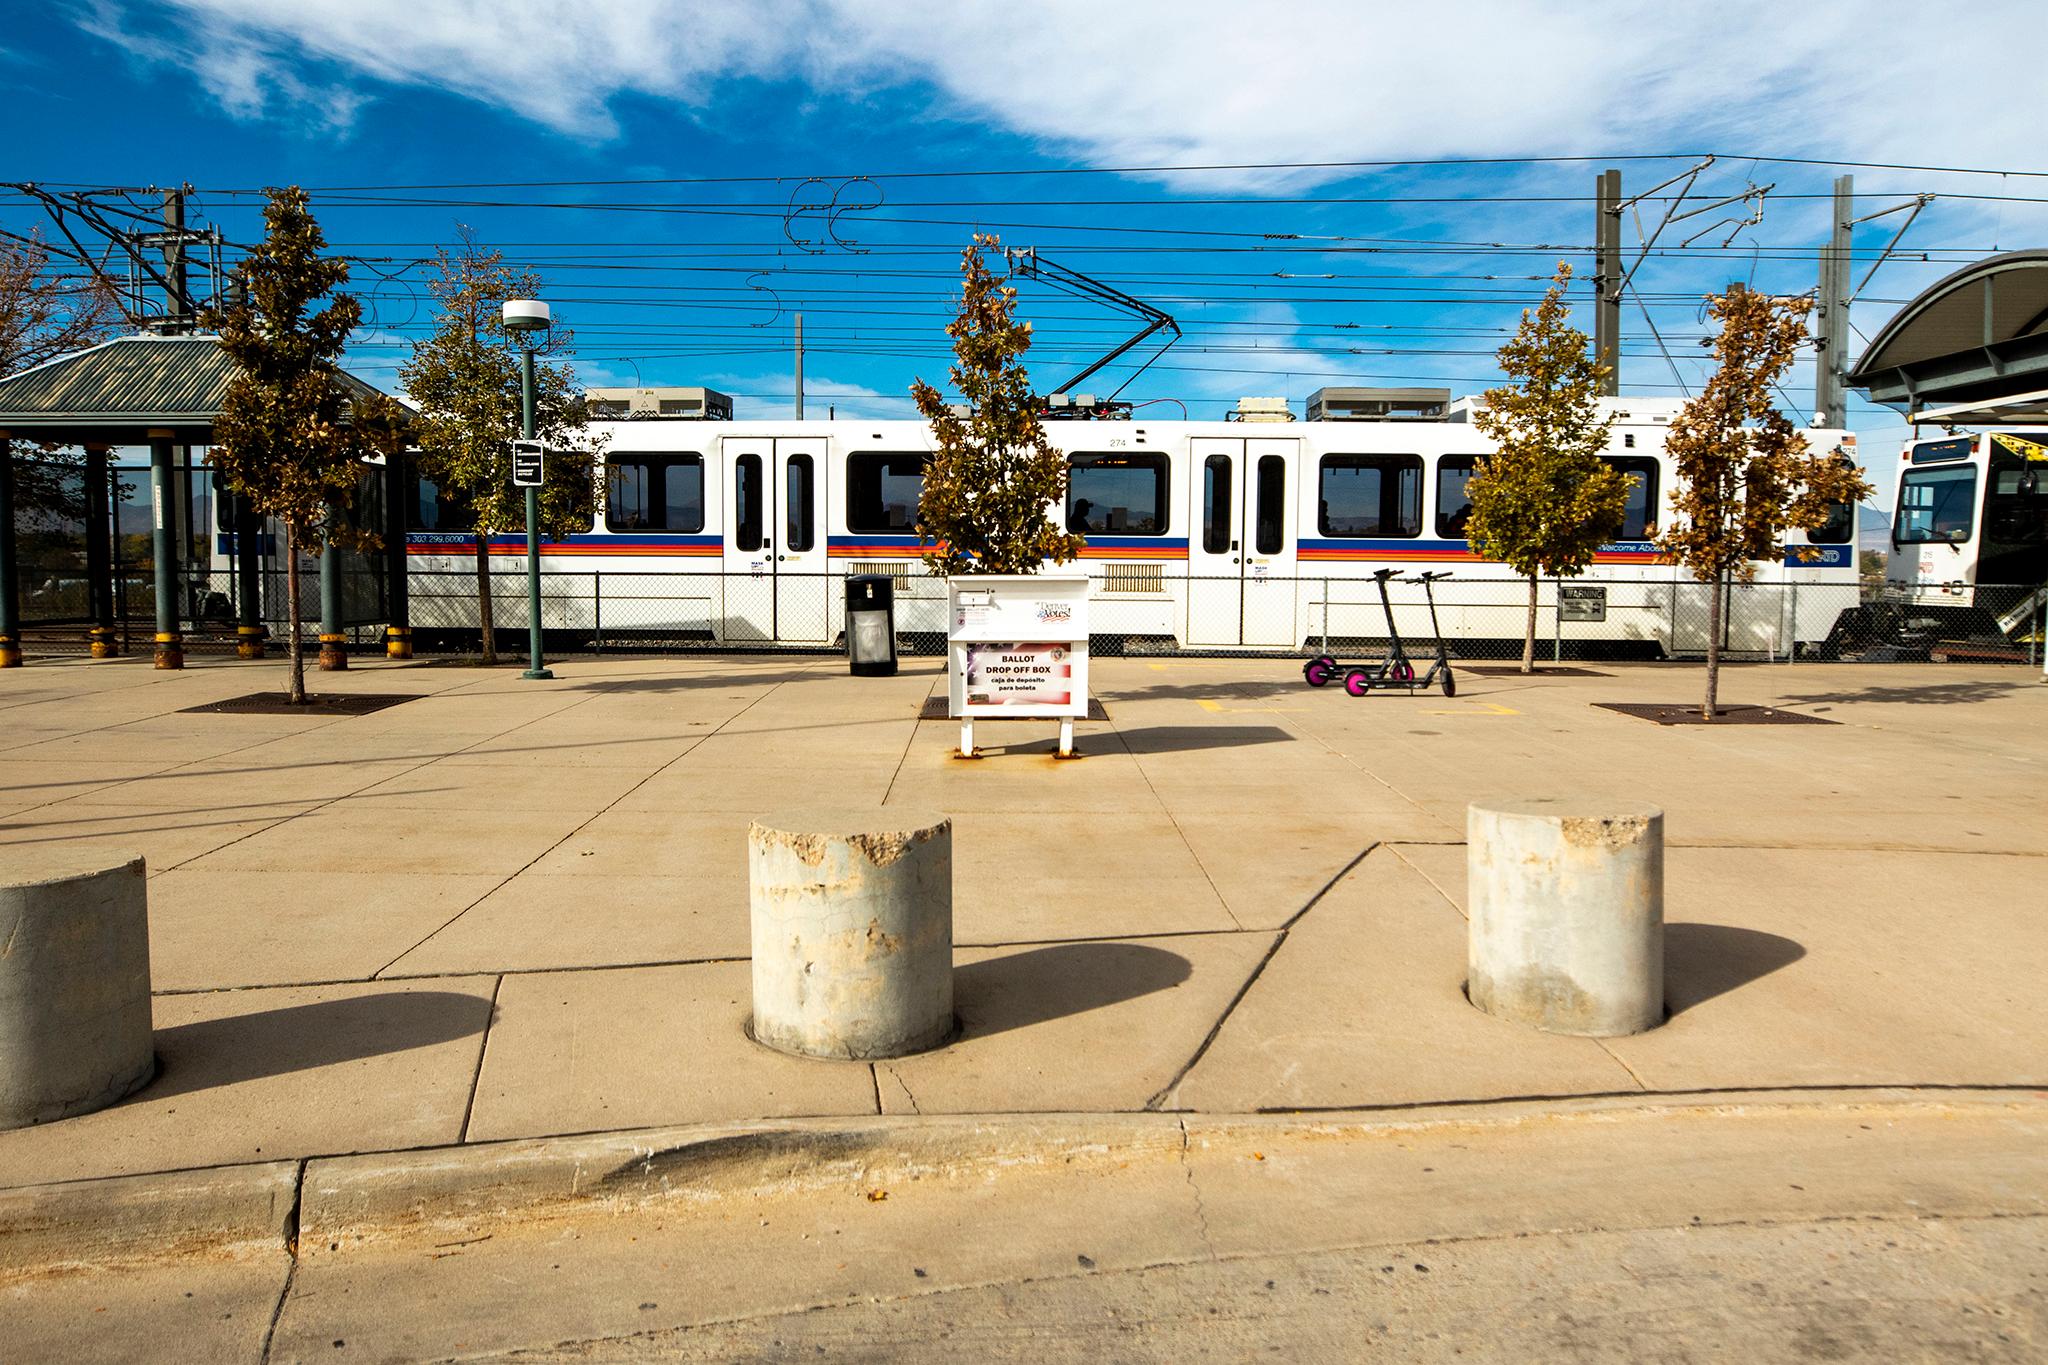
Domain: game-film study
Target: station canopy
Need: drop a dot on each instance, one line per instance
(119, 391)
(1971, 349)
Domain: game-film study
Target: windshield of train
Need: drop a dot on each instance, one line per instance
(1936, 505)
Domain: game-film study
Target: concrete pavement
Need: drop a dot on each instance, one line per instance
(516, 910)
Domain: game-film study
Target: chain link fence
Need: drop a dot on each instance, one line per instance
(1131, 613)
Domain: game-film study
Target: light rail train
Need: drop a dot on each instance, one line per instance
(1229, 536)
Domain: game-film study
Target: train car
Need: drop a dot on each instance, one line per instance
(1968, 564)
(1235, 535)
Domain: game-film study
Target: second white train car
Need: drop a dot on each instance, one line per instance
(1253, 536)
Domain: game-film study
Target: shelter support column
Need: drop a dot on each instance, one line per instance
(99, 555)
(10, 572)
(333, 648)
(249, 631)
(170, 643)
(399, 490)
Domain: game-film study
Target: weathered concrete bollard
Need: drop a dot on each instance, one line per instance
(853, 932)
(74, 984)
(1567, 908)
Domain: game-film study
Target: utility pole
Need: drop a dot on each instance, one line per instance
(1607, 281)
(799, 367)
(1833, 319)
(178, 295)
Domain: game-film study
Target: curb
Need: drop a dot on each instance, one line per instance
(449, 1191)
(231, 1210)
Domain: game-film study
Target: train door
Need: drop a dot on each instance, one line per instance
(1241, 555)
(774, 554)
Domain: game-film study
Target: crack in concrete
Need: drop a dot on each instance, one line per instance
(1187, 1167)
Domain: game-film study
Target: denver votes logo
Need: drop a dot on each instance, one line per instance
(1055, 611)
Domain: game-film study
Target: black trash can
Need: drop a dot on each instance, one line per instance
(871, 625)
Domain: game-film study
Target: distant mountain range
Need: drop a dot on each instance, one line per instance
(1873, 529)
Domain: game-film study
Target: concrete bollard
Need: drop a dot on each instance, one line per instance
(74, 985)
(853, 932)
(1567, 905)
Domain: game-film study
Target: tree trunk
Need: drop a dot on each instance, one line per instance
(296, 668)
(483, 598)
(1713, 650)
(1529, 631)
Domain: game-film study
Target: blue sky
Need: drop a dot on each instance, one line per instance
(710, 118)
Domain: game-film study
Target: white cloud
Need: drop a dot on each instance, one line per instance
(1191, 81)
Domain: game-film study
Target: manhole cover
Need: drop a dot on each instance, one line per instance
(279, 704)
(934, 708)
(1684, 713)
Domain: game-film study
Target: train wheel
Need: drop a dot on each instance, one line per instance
(1450, 682)
(1358, 682)
(1316, 674)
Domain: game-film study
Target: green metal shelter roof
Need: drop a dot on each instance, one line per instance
(119, 390)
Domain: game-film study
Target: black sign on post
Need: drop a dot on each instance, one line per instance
(526, 462)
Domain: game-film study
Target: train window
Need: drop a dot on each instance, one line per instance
(1936, 504)
(882, 490)
(1272, 518)
(797, 501)
(746, 503)
(1453, 504)
(1370, 495)
(440, 509)
(1639, 517)
(1838, 528)
(1116, 495)
(1216, 525)
(654, 493)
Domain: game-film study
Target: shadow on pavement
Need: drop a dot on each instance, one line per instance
(277, 1042)
(1702, 961)
(1041, 984)
(1947, 693)
(1174, 739)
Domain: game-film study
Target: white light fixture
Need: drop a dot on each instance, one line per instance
(527, 315)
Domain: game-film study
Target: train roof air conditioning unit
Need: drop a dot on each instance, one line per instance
(1379, 405)
(1262, 410)
(688, 403)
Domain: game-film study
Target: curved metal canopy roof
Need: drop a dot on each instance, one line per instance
(1978, 338)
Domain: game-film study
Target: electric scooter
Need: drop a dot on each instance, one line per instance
(1396, 669)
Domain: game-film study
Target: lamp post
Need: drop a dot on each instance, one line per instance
(527, 319)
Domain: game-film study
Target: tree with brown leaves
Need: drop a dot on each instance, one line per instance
(986, 493)
(1746, 475)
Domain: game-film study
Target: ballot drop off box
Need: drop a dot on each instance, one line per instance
(1017, 647)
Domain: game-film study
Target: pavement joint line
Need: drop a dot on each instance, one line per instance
(875, 1080)
(1165, 809)
(1159, 1097)
(483, 1052)
(917, 723)
(1395, 849)
(1633, 1074)
(766, 693)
